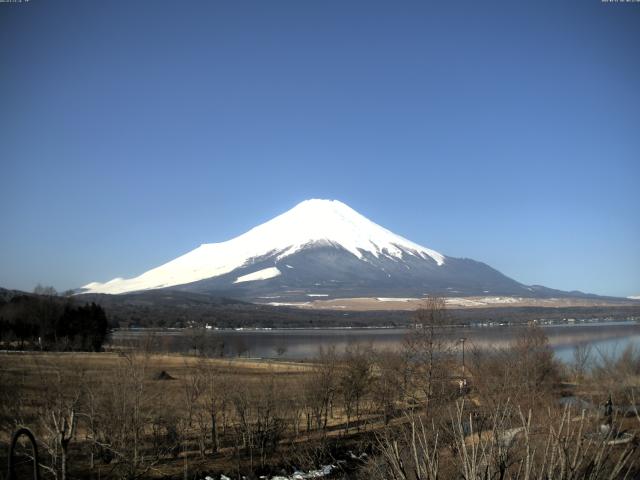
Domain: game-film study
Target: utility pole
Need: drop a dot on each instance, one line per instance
(462, 340)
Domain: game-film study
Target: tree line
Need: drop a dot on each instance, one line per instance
(48, 321)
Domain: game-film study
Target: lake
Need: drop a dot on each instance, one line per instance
(605, 337)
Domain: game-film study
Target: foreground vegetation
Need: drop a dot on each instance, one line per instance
(404, 414)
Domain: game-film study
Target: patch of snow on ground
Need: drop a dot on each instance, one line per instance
(298, 475)
(390, 299)
(464, 302)
(480, 301)
(501, 299)
(285, 304)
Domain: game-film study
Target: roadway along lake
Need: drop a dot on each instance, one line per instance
(606, 338)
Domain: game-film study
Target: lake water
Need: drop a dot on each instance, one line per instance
(609, 338)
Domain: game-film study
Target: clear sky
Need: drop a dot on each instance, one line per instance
(507, 132)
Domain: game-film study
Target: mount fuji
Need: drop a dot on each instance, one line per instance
(324, 249)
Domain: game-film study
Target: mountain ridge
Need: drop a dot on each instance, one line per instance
(322, 248)
(311, 222)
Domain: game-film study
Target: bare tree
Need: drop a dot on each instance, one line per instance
(125, 417)
(582, 354)
(524, 372)
(514, 447)
(45, 290)
(61, 394)
(537, 370)
(355, 377)
(215, 394)
(429, 350)
(389, 382)
(320, 388)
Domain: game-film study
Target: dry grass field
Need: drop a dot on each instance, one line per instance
(172, 398)
(31, 382)
(135, 414)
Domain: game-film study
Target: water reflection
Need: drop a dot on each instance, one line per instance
(609, 338)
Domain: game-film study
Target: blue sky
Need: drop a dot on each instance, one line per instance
(506, 132)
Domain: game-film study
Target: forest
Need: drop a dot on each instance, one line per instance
(47, 321)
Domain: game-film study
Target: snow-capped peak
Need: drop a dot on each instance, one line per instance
(310, 222)
(333, 221)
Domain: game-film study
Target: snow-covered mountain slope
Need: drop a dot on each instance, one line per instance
(312, 223)
(323, 248)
